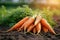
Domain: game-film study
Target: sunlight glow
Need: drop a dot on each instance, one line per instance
(56, 2)
(53, 2)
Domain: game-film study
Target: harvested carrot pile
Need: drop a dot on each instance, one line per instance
(33, 24)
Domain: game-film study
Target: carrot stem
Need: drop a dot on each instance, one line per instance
(38, 19)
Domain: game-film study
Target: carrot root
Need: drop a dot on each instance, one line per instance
(38, 28)
(45, 29)
(46, 24)
(17, 25)
(34, 30)
(28, 23)
(30, 28)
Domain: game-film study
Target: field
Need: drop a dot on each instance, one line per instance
(11, 15)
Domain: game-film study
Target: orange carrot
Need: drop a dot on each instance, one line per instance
(46, 24)
(17, 25)
(38, 19)
(34, 30)
(38, 28)
(27, 24)
(21, 28)
(30, 28)
(44, 29)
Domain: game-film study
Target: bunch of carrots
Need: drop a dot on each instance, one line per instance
(33, 24)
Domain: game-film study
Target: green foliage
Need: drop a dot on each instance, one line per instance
(4, 13)
(48, 15)
(11, 16)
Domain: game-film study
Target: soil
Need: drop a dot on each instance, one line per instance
(14, 35)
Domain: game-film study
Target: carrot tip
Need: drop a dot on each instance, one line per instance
(54, 33)
(9, 30)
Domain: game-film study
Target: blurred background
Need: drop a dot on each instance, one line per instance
(33, 3)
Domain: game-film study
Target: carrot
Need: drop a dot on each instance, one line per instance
(46, 24)
(30, 28)
(38, 19)
(17, 25)
(38, 28)
(34, 30)
(45, 29)
(21, 28)
(27, 24)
